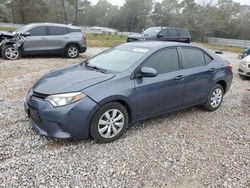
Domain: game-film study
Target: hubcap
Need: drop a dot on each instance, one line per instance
(11, 53)
(111, 123)
(216, 98)
(72, 51)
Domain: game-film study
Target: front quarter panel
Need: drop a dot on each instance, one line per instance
(120, 88)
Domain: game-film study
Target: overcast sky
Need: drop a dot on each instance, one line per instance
(121, 2)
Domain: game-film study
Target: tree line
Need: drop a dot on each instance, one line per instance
(218, 18)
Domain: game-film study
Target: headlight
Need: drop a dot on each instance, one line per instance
(65, 98)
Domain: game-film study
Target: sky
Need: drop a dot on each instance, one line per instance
(121, 2)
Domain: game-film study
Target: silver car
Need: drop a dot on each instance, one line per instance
(244, 67)
(46, 39)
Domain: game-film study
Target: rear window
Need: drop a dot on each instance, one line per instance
(75, 30)
(184, 32)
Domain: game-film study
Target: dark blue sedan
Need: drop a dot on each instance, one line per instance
(98, 98)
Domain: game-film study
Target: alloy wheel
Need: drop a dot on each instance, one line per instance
(111, 123)
(216, 97)
(72, 51)
(11, 53)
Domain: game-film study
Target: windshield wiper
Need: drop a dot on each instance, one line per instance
(96, 68)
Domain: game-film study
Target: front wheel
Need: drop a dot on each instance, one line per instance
(214, 99)
(109, 123)
(9, 52)
(72, 51)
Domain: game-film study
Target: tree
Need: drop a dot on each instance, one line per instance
(25, 11)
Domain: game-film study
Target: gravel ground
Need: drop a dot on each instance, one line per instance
(188, 148)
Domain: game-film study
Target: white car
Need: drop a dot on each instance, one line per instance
(244, 67)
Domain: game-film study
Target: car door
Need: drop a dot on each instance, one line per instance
(56, 38)
(198, 75)
(163, 35)
(37, 41)
(173, 35)
(164, 92)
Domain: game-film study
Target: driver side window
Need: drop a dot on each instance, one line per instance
(164, 61)
(38, 31)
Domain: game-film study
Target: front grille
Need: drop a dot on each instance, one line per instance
(39, 95)
(240, 70)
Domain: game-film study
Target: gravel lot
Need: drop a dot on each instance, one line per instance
(188, 148)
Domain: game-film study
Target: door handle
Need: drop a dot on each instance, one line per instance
(212, 69)
(180, 77)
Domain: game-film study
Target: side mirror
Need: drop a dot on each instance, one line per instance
(147, 72)
(218, 52)
(26, 34)
(160, 35)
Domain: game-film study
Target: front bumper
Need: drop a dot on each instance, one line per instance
(244, 69)
(70, 121)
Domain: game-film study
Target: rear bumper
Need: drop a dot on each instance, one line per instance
(70, 121)
(244, 70)
(82, 49)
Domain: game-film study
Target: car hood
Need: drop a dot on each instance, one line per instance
(69, 79)
(6, 34)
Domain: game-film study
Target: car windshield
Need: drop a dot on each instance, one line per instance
(152, 31)
(23, 29)
(117, 59)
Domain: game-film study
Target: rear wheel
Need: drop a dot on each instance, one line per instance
(9, 52)
(215, 98)
(109, 123)
(72, 51)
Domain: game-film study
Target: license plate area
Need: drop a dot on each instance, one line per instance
(33, 114)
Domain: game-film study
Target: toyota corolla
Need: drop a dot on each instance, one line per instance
(100, 97)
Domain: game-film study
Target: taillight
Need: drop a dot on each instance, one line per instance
(230, 67)
(84, 36)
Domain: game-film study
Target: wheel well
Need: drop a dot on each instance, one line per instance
(125, 104)
(223, 84)
(71, 44)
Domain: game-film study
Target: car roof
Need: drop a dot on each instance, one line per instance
(155, 44)
(160, 27)
(54, 24)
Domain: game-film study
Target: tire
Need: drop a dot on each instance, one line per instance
(8, 52)
(72, 51)
(102, 127)
(217, 93)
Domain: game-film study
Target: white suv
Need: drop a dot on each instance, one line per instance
(244, 67)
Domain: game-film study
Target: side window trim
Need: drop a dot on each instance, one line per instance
(145, 61)
(205, 53)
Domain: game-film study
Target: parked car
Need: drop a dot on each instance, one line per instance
(46, 39)
(162, 34)
(245, 53)
(244, 67)
(123, 85)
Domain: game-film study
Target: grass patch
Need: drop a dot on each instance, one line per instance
(221, 47)
(104, 40)
(7, 28)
